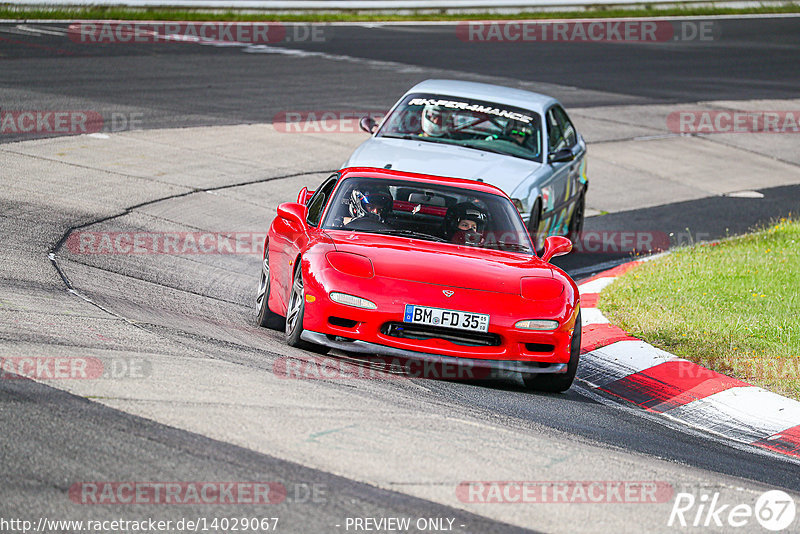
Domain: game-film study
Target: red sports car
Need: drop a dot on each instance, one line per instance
(420, 267)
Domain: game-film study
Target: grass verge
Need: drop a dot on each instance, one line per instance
(733, 307)
(9, 11)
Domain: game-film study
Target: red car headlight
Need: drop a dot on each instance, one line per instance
(536, 324)
(539, 288)
(352, 264)
(352, 300)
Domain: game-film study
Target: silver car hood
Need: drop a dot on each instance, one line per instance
(505, 172)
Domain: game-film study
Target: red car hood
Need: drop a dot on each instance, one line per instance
(442, 264)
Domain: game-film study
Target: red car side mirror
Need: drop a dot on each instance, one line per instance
(556, 245)
(304, 196)
(293, 212)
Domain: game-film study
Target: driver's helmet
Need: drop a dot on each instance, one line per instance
(437, 121)
(373, 204)
(471, 233)
(521, 133)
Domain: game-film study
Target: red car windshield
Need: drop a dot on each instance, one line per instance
(428, 212)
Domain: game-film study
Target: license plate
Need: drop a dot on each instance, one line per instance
(475, 322)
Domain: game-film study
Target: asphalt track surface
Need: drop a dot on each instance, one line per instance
(184, 85)
(51, 438)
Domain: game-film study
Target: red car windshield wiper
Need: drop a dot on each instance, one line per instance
(412, 233)
(513, 247)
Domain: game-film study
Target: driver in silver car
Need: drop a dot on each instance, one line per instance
(436, 121)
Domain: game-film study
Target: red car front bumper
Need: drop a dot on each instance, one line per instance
(376, 331)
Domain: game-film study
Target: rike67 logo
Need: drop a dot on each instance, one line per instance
(774, 510)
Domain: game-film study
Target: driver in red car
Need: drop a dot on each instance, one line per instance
(465, 224)
(369, 210)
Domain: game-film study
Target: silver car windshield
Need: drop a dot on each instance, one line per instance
(429, 212)
(465, 122)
